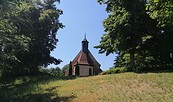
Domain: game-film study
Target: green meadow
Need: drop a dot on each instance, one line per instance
(124, 87)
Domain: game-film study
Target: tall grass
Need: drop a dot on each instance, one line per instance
(124, 87)
(27, 89)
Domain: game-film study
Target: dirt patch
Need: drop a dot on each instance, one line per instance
(145, 87)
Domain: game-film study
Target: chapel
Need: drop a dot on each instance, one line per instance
(85, 61)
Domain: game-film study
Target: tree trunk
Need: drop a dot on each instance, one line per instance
(132, 62)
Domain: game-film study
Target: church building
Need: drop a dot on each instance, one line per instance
(85, 61)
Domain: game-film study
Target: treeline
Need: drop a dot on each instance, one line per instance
(140, 32)
(54, 71)
(28, 31)
(51, 71)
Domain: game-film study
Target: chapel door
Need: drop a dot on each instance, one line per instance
(90, 71)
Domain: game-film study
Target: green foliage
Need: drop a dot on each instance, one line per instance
(153, 69)
(139, 31)
(56, 71)
(28, 35)
(65, 68)
(125, 26)
(52, 71)
(114, 71)
(162, 11)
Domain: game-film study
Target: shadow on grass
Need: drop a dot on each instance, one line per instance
(22, 89)
(45, 97)
(160, 71)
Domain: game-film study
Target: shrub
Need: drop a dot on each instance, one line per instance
(103, 73)
(154, 69)
(114, 70)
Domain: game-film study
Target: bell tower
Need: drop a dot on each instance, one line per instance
(85, 44)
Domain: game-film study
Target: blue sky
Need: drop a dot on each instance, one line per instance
(80, 17)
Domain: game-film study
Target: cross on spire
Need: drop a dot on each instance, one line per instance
(85, 44)
(85, 36)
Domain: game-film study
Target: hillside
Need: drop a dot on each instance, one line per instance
(150, 87)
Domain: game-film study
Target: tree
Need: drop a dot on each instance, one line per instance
(28, 32)
(11, 42)
(162, 11)
(56, 71)
(77, 70)
(139, 31)
(65, 68)
(128, 27)
(70, 69)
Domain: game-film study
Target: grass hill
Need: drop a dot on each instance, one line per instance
(124, 87)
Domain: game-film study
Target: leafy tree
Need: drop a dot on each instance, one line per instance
(128, 27)
(139, 31)
(65, 68)
(56, 71)
(77, 70)
(162, 11)
(70, 69)
(51, 71)
(28, 31)
(11, 42)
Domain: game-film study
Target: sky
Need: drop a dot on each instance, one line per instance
(80, 17)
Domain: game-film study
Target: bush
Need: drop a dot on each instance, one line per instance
(154, 69)
(137, 70)
(114, 71)
(103, 73)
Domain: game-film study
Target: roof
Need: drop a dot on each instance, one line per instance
(85, 58)
(81, 58)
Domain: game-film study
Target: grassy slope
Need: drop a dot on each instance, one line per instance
(151, 87)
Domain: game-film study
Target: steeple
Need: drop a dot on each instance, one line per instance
(84, 64)
(85, 44)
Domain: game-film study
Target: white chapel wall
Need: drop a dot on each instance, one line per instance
(84, 70)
